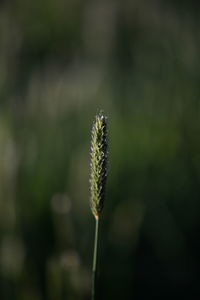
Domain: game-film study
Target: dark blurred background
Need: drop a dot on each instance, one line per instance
(60, 62)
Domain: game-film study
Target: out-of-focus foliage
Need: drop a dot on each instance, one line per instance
(60, 62)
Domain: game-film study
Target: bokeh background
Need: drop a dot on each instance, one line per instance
(60, 62)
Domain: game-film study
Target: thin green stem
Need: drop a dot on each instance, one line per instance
(94, 267)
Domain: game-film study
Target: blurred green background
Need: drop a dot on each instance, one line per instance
(60, 62)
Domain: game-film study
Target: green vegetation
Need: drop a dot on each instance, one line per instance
(98, 176)
(60, 62)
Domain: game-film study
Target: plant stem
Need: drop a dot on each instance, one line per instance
(95, 257)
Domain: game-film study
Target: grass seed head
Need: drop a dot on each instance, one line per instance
(98, 164)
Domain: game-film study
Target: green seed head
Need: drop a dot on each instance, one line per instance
(98, 164)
